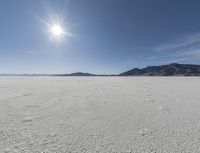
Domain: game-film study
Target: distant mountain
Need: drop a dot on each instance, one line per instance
(71, 74)
(76, 74)
(81, 74)
(173, 69)
(84, 74)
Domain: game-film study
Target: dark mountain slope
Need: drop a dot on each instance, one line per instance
(173, 69)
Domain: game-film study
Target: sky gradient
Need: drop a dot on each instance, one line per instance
(108, 36)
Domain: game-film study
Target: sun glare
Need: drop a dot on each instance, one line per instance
(56, 26)
(57, 31)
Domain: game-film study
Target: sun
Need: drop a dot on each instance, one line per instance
(57, 27)
(57, 31)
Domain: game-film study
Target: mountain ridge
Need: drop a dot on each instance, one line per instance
(173, 69)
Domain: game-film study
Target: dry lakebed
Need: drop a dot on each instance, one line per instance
(99, 114)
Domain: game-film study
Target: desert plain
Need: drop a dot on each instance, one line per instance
(99, 114)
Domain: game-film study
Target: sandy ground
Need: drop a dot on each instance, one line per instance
(99, 115)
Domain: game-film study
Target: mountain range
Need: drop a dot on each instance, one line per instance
(173, 69)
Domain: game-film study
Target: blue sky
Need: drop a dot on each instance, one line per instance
(107, 36)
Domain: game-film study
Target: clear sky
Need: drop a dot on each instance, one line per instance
(103, 36)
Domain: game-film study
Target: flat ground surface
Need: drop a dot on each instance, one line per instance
(99, 114)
